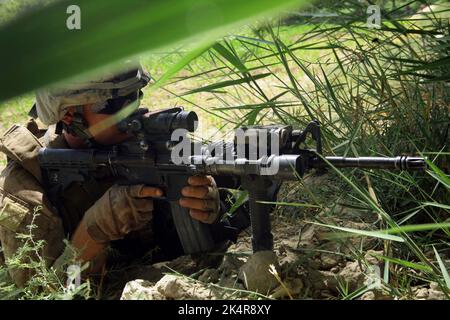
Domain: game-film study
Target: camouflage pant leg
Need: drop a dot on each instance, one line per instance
(22, 203)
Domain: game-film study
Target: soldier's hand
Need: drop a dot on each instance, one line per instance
(201, 196)
(120, 210)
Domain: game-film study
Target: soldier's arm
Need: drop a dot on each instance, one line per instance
(89, 249)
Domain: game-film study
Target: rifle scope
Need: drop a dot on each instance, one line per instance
(160, 122)
(168, 122)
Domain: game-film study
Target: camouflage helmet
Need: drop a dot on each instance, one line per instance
(52, 103)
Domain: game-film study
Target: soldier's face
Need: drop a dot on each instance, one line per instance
(103, 134)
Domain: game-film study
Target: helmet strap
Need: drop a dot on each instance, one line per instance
(78, 127)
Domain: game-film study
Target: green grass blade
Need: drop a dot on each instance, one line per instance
(417, 227)
(241, 199)
(228, 83)
(373, 234)
(228, 55)
(405, 263)
(435, 204)
(443, 268)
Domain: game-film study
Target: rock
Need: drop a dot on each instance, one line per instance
(353, 275)
(435, 292)
(435, 286)
(420, 293)
(328, 261)
(288, 260)
(140, 290)
(307, 236)
(255, 272)
(173, 287)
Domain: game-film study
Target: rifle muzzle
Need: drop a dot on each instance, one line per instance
(394, 163)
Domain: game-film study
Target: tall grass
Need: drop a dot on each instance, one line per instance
(380, 92)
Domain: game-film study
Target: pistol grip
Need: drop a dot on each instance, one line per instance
(258, 190)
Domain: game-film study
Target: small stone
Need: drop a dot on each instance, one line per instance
(328, 261)
(288, 260)
(435, 286)
(255, 273)
(170, 286)
(435, 292)
(173, 287)
(140, 290)
(353, 275)
(421, 293)
(308, 235)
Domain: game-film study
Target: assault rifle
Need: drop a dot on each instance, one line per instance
(161, 155)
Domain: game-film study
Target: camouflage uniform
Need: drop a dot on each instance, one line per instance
(21, 195)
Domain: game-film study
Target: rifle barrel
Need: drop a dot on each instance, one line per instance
(399, 163)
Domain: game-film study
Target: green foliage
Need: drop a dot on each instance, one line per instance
(111, 30)
(45, 282)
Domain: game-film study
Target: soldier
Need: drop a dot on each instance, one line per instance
(93, 217)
